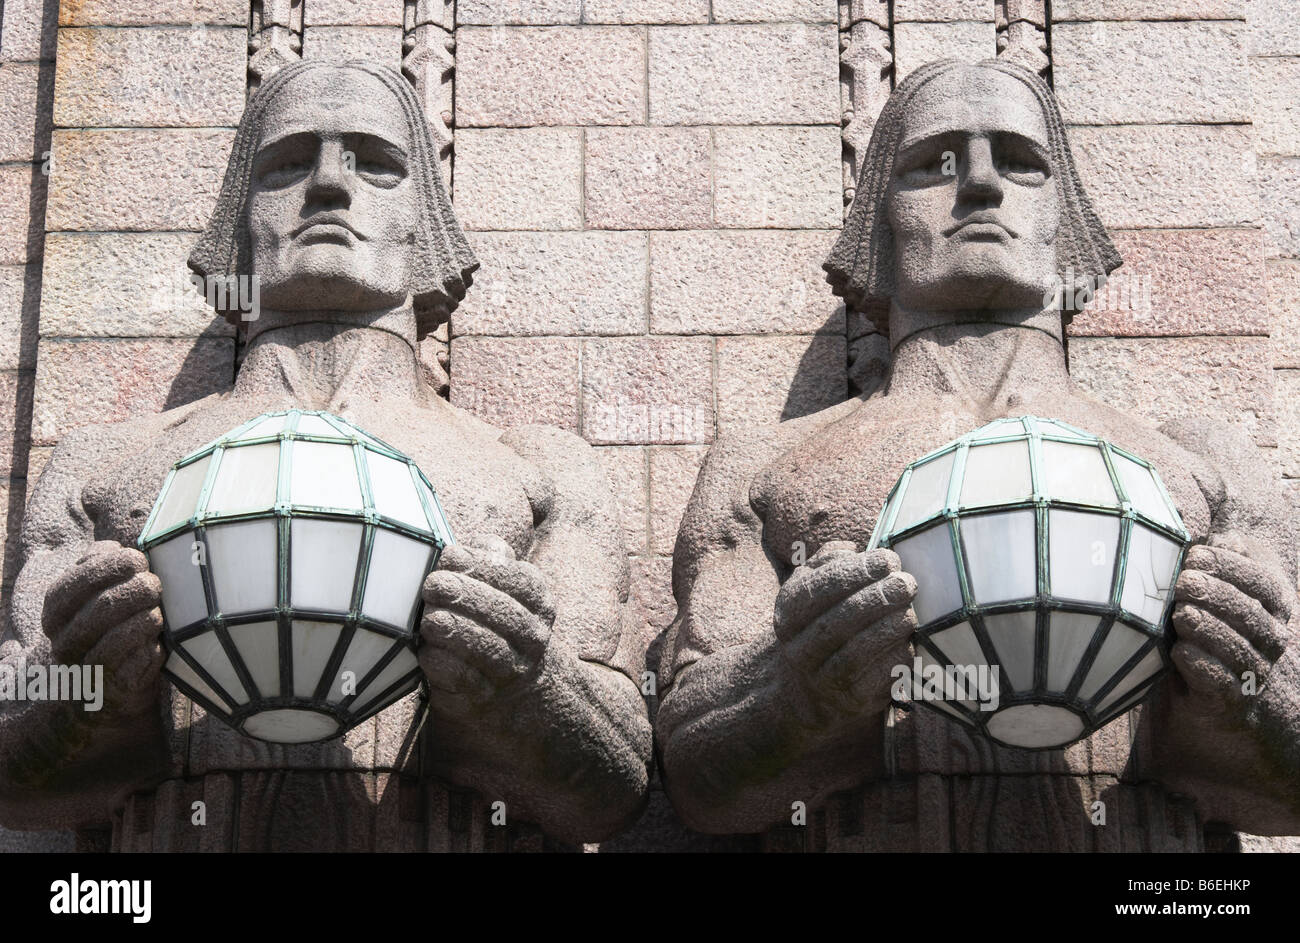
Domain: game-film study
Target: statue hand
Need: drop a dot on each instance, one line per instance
(486, 625)
(105, 610)
(1230, 617)
(843, 621)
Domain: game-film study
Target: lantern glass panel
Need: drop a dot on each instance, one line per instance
(271, 425)
(316, 425)
(323, 564)
(1060, 430)
(927, 490)
(397, 568)
(364, 652)
(1001, 556)
(182, 495)
(258, 644)
(1149, 573)
(1014, 636)
(181, 669)
(1121, 644)
(1035, 725)
(246, 479)
(959, 644)
(324, 475)
(1143, 493)
(437, 523)
(404, 662)
(242, 559)
(1149, 665)
(1081, 550)
(206, 649)
(1076, 473)
(394, 490)
(289, 725)
(928, 685)
(1068, 636)
(996, 474)
(313, 643)
(930, 553)
(182, 581)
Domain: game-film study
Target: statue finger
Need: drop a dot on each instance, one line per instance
(1205, 675)
(471, 643)
(1255, 579)
(881, 611)
(524, 630)
(517, 578)
(1242, 613)
(1215, 637)
(810, 592)
(111, 607)
(105, 564)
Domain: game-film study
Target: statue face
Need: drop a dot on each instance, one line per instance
(332, 208)
(972, 203)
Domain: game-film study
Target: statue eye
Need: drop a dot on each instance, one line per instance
(1020, 163)
(284, 162)
(927, 167)
(378, 164)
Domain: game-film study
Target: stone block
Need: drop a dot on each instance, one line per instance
(625, 466)
(742, 282)
(513, 381)
(556, 283)
(512, 76)
(778, 177)
(771, 379)
(123, 285)
(527, 178)
(648, 178)
(1168, 175)
(1282, 284)
(91, 380)
(1181, 282)
(1274, 28)
(136, 179)
(647, 390)
(518, 12)
(20, 296)
(168, 76)
(1288, 407)
(774, 11)
(652, 584)
(1098, 70)
(28, 30)
(1067, 10)
(1275, 83)
(645, 11)
(1279, 192)
(1224, 378)
(15, 412)
(25, 94)
(158, 12)
(355, 12)
(381, 45)
(23, 194)
(752, 74)
(672, 479)
(915, 44)
(941, 11)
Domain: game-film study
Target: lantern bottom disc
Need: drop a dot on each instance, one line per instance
(289, 725)
(1036, 726)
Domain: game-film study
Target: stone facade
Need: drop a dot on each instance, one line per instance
(651, 186)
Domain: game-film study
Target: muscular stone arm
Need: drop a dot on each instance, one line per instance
(571, 750)
(61, 765)
(740, 735)
(1239, 754)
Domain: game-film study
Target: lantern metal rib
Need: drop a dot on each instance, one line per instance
(1086, 636)
(291, 576)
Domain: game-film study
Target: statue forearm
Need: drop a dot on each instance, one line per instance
(570, 752)
(741, 741)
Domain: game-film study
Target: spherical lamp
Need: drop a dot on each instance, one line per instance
(1047, 555)
(291, 553)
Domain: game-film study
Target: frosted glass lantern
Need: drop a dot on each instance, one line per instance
(1048, 553)
(291, 553)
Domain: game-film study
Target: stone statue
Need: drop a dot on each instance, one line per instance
(333, 202)
(776, 676)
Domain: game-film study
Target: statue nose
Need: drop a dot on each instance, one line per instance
(331, 179)
(979, 180)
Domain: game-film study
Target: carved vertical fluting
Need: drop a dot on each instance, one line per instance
(866, 79)
(274, 37)
(1022, 33)
(429, 62)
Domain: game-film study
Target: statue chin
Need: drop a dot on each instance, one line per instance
(989, 289)
(335, 291)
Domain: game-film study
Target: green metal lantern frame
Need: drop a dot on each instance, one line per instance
(1159, 637)
(284, 614)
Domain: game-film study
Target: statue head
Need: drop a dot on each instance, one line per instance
(333, 200)
(968, 198)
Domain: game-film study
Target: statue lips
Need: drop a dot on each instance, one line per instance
(981, 226)
(327, 227)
